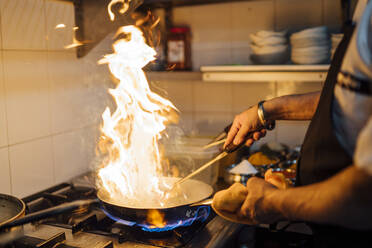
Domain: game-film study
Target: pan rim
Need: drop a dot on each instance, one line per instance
(20, 214)
(101, 192)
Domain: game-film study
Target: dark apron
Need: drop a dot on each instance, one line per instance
(322, 156)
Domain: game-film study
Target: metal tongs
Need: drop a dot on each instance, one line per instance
(221, 138)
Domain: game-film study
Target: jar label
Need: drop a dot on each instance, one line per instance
(176, 51)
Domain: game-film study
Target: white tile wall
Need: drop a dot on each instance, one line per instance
(73, 153)
(244, 14)
(298, 15)
(59, 12)
(31, 166)
(181, 94)
(220, 32)
(50, 102)
(3, 121)
(212, 97)
(245, 95)
(332, 14)
(67, 92)
(5, 186)
(216, 103)
(27, 95)
(211, 123)
(291, 87)
(23, 24)
(291, 133)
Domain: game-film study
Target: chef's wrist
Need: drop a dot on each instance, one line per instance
(264, 115)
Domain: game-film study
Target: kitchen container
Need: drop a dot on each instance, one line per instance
(179, 48)
(186, 155)
(242, 175)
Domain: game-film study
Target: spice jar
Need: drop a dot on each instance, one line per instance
(179, 48)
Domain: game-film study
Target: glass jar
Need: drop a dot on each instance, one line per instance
(179, 48)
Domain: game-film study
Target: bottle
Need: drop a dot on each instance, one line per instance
(179, 48)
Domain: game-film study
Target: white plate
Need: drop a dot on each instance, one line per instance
(266, 33)
(311, 32)
(268, 49)
(272, 40)
(311, 50)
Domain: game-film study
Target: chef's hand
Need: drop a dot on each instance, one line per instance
(244, 123)
(227, 203)
(253, 209)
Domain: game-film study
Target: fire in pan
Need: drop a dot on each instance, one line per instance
(179, 211)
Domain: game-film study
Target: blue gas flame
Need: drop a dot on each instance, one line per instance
(201, 214)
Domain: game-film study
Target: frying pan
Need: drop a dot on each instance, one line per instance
(180, 210)
(11, 208)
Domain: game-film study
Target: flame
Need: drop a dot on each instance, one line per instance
(60, 26)
(156, 219)
(131, 170)
(122, 10)
(75, 42)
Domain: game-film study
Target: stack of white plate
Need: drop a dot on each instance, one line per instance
(336, 39)
(269, 47)
(310, 46)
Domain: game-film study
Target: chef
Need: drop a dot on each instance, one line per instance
(334, 175)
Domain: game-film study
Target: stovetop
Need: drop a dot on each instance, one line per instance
(90, 227)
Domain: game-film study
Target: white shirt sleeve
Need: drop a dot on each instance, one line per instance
(363, 150)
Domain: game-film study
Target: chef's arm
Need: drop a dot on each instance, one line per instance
(344, 199)
(292, 107)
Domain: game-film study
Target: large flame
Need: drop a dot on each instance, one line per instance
(131, 170)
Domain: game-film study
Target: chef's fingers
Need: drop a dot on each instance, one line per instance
(257, 135)
(241, 135)
(233, 131)
(249, 142)
(263, 133)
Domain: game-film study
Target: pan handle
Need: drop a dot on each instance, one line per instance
(206, 202)
(63, 208)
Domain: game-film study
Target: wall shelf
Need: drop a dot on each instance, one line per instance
(261, 68)
(265, 73)
(180, 3)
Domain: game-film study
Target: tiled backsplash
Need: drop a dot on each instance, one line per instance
(220, 32)
(207, 107)
(50, 101)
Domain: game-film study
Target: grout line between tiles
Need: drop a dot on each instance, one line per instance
(37, 50)
(50, 91)
(5, 106)
(322, 17)
(53, 134)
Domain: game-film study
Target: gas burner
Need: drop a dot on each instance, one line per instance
(201, 215)
(95, 221)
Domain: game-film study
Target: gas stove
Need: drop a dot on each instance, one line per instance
(91, 227)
